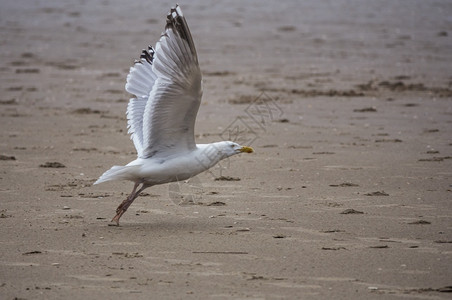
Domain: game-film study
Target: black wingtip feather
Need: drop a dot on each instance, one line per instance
(148, 55)
(175, 20)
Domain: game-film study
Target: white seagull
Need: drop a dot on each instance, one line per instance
(167, 86)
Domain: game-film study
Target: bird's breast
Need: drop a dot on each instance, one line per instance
(159, 171)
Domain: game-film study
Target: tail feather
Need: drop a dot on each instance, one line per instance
(119, 173)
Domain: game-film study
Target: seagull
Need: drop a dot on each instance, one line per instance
(167, 84)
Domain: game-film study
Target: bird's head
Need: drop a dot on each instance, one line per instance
(230, 148)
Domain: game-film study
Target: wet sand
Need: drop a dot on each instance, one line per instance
(348, 105)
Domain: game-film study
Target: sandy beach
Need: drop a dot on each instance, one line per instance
(348, 105)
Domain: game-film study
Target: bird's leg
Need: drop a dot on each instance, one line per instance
(122, 208)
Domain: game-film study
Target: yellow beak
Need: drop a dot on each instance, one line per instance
(246, 149)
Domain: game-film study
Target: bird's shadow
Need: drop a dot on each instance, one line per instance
(167, 226)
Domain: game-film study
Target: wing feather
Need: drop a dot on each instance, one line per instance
(170, 113)
(167, 85)
(140, 82)
(135, 110)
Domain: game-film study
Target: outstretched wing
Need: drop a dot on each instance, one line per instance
(168, 90)
(140, 82)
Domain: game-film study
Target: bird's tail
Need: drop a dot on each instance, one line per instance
(119, 173)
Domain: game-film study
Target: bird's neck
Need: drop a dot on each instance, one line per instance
(210, 154)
